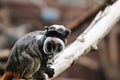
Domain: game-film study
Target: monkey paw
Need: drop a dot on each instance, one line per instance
(50, 72)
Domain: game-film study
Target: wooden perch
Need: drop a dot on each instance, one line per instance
(88, 40)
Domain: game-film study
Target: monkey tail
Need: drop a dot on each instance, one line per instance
(8, 75)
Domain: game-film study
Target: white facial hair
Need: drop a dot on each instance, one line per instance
(57, 41)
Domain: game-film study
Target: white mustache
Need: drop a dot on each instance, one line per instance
(53, 45)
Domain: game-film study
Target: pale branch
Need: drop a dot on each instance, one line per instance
(88, 40)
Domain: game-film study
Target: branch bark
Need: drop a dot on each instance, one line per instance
(88, 40)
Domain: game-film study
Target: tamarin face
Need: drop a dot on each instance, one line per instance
(56, 39)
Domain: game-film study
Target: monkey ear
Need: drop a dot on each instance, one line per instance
(67, 32)
(46, 27)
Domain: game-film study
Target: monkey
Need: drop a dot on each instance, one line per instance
(30, 55)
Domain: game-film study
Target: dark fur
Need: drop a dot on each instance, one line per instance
(27, 54)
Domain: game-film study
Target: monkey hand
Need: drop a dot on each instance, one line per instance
(50, 72)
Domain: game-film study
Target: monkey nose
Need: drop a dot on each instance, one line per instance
(54, 41)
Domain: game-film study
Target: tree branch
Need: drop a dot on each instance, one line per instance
(88, 40)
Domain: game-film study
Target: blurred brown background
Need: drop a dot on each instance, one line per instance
(19, 17)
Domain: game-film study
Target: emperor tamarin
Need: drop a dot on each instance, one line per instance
(29, 56)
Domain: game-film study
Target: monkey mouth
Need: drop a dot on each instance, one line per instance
(53, 45)
(50, 47)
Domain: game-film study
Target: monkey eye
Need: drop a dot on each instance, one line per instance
(67, 32)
